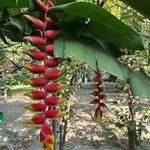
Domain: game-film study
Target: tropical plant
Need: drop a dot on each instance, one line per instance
(88, 32)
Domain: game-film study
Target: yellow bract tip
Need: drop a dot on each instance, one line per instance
(29, 107)
(28, 94)
(60, 114)
(27, 66)
(29, 121)
(51, 138)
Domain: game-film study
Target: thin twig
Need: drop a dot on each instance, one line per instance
(16, 65)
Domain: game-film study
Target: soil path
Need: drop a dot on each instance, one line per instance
(83, 132)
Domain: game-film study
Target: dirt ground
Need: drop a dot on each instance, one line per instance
(82, 133)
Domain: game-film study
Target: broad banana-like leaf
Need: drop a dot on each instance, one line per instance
(86, 51)
(104, 25)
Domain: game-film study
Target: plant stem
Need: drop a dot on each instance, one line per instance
(132, 124)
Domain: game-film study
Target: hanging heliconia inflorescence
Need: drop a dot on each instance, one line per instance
(44, 67)
(99, 96)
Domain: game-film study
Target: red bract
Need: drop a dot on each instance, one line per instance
(36, 82)
(35, 54)
(54, 114)
(42, 137)
(37, 41)
(50, 3)
(52, 62)
(53, 88)
(36, 95)
(53, 74)
(42, 6)
(49, 49)
(47, 132)
(95, 93)
(94, 101)
(45, 143)
(35, 68)
(101, 96)
(54, 101)
(39, 120)
(50, 21)
(37, 107)
(51, 34)
(100, 88)
(37, 22)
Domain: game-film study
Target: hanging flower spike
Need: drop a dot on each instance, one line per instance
(36, 95)
(54, 114)
(44, 54)
(35, 40)
(36, 107)
(99, 97)
(37, 22)
(35, 68)
(39, 120)
(53, 74)
(35, 54)
(54, 101)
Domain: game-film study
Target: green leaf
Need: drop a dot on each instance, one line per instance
(59, 47)
(110, 64)
(13, 33)
(139, 83)
(86, 52)
(1, 116)
(3, 38)
(89, 52)
(14, 3)
(143, 6)
(14, 11)
(19, 23)
(104, 25)
(59, 2)
(80, 51)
